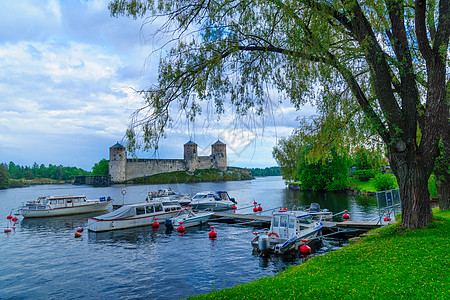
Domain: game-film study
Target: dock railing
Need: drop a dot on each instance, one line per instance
(389, 204)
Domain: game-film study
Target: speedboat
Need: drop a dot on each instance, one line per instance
(135, 215)
(317, 213)
(287, 230)
(188, 218)
(51, 206)
(169, 194)
(217, 201)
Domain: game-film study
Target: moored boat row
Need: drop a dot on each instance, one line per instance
(287, 229)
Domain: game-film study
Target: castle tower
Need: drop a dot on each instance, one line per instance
(190, 156)
(219, 155)
(117, 162)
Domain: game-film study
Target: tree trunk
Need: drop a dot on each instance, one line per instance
(413, 185)
(443, 189)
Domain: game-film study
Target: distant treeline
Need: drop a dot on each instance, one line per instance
(41, 171)
(272, 171)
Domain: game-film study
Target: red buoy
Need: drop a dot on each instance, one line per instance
(260, 208)
(255, 209)
(14, 227)
(387, 219)
(212, 233)
(254, 203)
(9, 217)
(255, 233)
(155, 224)
(345, 216)
(305, 249)
(80, 229)
(7, 230)
(181, 228)
(234, 207)
(15, 219)
(285, 209)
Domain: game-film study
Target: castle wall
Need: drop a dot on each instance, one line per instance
(204, 162)
(136, 168)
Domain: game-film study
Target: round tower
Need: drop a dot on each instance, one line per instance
(117, 162)
(219, 155)
(190, 156)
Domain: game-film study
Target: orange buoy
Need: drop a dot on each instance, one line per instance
(78, 235)
(212, 233)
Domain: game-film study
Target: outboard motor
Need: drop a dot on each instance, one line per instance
(264, 244)
(314, 207)
(168, 224)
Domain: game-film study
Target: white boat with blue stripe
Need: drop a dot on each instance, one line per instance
(287, 230)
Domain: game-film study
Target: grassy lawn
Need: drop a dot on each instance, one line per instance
(390, 263)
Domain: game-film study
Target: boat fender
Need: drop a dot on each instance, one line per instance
(274, 233)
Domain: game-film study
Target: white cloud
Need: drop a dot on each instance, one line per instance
(67, 74)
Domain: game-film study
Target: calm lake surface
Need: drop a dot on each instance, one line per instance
(41, 259)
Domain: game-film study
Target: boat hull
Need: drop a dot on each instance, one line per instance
(265, 244)
(190, 222)
(212, 206)
(44, 211)
(97, 225)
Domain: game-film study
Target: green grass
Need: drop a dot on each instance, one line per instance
(390, 263)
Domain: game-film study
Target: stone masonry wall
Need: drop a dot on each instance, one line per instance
(146, 167)
(204, 162)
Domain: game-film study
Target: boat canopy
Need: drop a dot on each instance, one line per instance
(125, 211)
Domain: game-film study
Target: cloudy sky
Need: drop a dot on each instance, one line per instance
(67, 75)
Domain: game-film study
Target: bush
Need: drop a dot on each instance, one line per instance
(384, 182)
(364, 175)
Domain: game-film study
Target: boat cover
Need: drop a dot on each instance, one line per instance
(125, 211)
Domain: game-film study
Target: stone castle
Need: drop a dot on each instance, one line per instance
(122, 169)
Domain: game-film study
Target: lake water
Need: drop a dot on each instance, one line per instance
(42, 259)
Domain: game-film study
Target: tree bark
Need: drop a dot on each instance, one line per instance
(412, 179)
(443, 189)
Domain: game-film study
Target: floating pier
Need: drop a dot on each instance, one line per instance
(345, 228)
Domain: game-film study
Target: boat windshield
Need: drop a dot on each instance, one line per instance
(199, 196)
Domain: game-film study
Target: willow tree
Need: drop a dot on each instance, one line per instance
(388, 57)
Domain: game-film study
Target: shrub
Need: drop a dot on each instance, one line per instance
(364, 175)
(384, 182)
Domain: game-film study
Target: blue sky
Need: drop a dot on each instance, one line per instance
(68, 71)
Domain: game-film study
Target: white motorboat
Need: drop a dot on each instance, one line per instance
(287, 229)
(216, 201)
(135, 215)
(188, 218)
(51, 206)
(170, 195)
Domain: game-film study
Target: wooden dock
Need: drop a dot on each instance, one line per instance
(348, 228)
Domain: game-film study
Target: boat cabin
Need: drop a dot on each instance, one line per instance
(287, 224)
